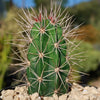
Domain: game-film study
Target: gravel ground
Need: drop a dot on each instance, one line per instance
(77, 93)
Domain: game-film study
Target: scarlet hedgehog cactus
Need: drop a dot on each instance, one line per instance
(47, 59)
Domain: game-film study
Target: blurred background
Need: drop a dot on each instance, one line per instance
(86, 13)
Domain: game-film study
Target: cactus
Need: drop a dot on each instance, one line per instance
(46, 58)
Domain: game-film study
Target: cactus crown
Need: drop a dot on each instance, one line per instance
(46, 58)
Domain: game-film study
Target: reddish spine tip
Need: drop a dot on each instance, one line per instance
(40, 17)
(35, 19)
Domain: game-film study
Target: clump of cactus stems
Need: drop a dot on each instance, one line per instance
(46, 56)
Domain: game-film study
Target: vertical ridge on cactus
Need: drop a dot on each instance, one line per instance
(46, 52)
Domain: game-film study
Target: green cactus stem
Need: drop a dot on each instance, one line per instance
(48, 68)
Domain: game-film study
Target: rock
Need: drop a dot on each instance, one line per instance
(8, 98)
(21, 97)
(48, 98)
(84, 92)
(63, 97)
(7, 94)
(20, 93)
(55, 97)
(87, 93)
(21, 90)
(77, 87)
(99, 90)
(35, 96)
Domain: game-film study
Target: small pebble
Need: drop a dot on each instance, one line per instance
(84, 92)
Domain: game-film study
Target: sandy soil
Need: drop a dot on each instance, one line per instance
(77, 93)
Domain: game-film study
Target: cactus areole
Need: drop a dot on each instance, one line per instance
(48, 68)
